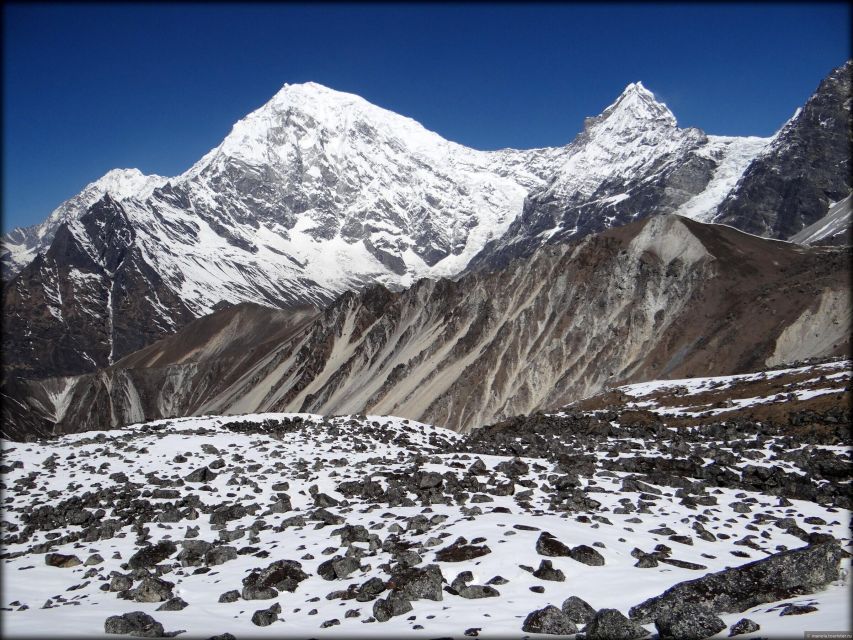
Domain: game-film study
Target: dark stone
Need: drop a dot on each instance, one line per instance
(797, 609)
(202, 474)
(587, 555)
(395, 604)
(549, 620)
(546, 571)
(416, 583)
(61, 560)
(265, 617)
(153, 590)
(688, 622)
(548, 545)
(744, 625)
(230, 596)
(577, 610)
(370, 589)
(152, 555)
(173, 604)
(337, 568)
(284, 575)
(610, 624)
(461, 588)
(135, 623)
(459, 551)
(219, 555)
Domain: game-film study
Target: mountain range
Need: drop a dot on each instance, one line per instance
(661, 297)
(319, 192)
(333, 257)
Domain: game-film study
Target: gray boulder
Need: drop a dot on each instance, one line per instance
(689, 622)
(149, 556)
(587, 555)
(777, 577)
(153, 590)
(396, 604)
(610, 624)
(744, 625)
(417, 583)
(549, 620)
(577, 610)
(546, 571)
(135, 623)
(548, 545)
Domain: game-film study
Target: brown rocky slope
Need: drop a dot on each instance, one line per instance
(665, 297)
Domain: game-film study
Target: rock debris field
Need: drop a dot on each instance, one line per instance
(600, 523)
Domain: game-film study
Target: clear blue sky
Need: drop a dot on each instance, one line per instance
(92, 87)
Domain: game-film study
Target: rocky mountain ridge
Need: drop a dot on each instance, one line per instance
(662, 297)
(319, 192)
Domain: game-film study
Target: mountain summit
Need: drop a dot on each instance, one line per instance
(636, 105)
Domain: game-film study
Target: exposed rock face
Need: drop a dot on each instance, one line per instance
(549, 620)
(663, 297)
(630, 162)
(783, 575)
(805, 168)
(315, 193)
(84, 305)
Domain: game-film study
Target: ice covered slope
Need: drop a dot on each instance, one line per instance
(319, 192)
(663, 297)
(368, 526)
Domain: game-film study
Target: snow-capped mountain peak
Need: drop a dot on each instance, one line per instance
(634, 110)
(127, 183)
(314, 118)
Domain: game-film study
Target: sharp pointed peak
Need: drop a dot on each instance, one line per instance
(636, 104)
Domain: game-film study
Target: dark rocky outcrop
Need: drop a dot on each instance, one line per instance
(777, 577)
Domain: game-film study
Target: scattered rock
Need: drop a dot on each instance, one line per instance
(395, 604)
(152, 555)
(460, 551)
(416, 583)
(546, 571)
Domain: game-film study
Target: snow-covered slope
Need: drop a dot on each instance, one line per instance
(302, 526)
